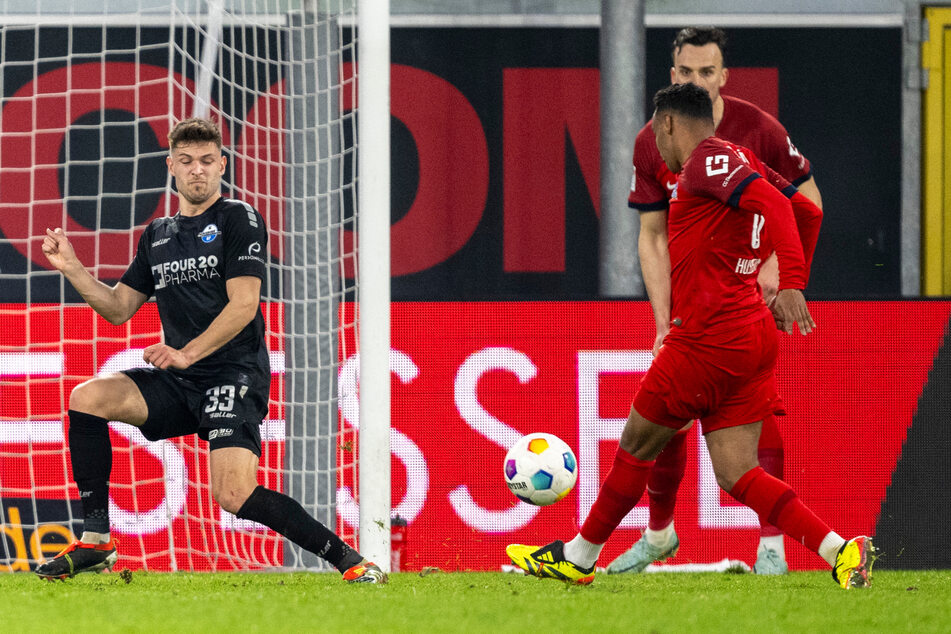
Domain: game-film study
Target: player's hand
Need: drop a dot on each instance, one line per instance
(164, 357)
(57, 249)
(789, 308)
(659, 340)
(768, 279)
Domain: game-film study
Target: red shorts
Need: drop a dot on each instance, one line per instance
(725, 379)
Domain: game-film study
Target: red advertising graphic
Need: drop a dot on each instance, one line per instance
(468, 380)
(45, 352)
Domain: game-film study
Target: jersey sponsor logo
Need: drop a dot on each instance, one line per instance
(160, 242)
(209, 233)
(634, 179)
(671, 185)
(718, 164)
(184, 271)
(224, 432)
(253, 249)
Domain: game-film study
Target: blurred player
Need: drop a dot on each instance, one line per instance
(717, 362)
(210, 376)
(698, 59)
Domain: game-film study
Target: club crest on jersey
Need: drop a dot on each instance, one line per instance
(209, 233)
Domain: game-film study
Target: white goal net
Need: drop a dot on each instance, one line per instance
(89, 95)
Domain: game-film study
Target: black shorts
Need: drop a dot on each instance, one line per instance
(226, 409)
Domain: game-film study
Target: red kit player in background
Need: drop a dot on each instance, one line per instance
(717, 362)
(698, 59)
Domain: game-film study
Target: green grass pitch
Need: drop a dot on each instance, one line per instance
(474, 602)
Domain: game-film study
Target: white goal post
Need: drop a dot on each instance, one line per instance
(89, 94)
(374, 244)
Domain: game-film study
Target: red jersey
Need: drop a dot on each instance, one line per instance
(720, 226)
(743, 124)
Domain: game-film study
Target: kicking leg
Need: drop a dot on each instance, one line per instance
(574, 561)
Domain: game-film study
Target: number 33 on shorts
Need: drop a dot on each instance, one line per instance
(220, 398)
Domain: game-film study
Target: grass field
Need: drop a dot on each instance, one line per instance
(475, 602)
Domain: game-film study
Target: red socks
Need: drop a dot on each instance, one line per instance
(778, 504)
(664, 480)
(620, 491)
(770, 457)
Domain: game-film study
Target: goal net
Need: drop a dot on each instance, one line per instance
(88, 99)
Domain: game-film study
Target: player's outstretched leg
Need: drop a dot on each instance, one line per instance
(79, 557)
(548, 562)
(853, 563)
(851, 560)
(286, 516)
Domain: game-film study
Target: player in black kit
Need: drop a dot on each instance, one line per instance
(211, 374)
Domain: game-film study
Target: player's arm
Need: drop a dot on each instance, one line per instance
(810, 190)
(116, 303)
(807, 208)
(759, 197)
(781, 155)
(244, 297)
(807, 212)
(655, 268)
(808, 217)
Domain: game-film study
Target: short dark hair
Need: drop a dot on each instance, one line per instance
(700, 36)
(688, 100)
(194, 130)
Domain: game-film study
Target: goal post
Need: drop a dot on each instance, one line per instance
(374, 246)
(88, 99)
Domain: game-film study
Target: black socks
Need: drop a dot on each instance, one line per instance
(284, 515)
(90, 454)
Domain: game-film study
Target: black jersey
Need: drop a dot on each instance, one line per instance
(185, 262)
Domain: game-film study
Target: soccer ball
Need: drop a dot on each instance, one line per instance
(540, 469)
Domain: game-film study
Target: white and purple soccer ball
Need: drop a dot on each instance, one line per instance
(540, 469)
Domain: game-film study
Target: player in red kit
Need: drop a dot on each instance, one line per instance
(717, 361)
(698, 59)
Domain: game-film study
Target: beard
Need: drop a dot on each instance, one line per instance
(197, 193)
